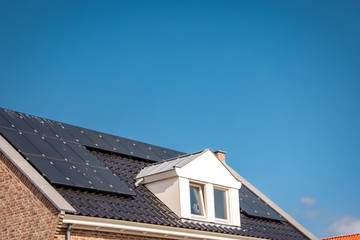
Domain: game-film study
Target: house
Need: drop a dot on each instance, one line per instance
(345, 237)
(59, 181)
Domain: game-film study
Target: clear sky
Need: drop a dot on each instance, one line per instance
(276, 84)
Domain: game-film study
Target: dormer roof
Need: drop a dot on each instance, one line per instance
(169, 164)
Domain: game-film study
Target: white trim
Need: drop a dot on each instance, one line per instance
(201, 200)
(44, 187)
(126, 227)
(227, 204)
(291, 220)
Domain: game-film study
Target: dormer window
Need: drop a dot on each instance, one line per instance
(220, 202)
(197, 200)
(210, 195)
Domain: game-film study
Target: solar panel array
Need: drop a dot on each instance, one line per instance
(252, 205)
(58, 152)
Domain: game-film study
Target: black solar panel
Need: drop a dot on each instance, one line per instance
(116, 144)
(85, 155)
(172, 153)
(79, 135)
(63, 149)
(57, 151)
(39, 126)
(252, 205)
(3, 122)
(98, 141)
(59, 130)
(16, 119)
(150, 154)
(48, 170)
(112, 179)
(44, 148)
(19, 142)
(134, 151)
(159, 151)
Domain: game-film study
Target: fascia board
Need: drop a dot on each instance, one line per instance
(127, 227)
(159, 176)
(291, 220)
(35, 178)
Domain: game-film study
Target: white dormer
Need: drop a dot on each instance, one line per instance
(195, 186)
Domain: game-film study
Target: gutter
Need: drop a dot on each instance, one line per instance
(145, 229)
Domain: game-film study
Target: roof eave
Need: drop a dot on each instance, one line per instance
(135, 228)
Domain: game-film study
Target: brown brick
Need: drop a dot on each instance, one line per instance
(24, 211)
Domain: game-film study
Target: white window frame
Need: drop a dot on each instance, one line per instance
(202, 192)
(227, 205)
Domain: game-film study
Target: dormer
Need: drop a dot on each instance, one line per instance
(195, 186)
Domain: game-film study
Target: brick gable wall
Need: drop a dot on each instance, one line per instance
(25, 213)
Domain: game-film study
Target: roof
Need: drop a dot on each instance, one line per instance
(50, 144)
(345, 237)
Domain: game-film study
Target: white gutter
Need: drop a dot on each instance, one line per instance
(35, 178)
(134, 228)
(291, 220)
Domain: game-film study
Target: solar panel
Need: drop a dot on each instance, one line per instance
(93, 177)
(85, 155)
(43, 147)
(135, 151)
(79, 135)
(173, 153)
(38, 125)
(19, 142)
(69, 170)
(252, 205)
(60, 162)
(113, 181)
(146, 150)
(115, 144)
(62, 148)
(98, 141)
(3, 122)
(16, 119)
(159, 151)
(48, 170)
(59, 130)
(57, 150)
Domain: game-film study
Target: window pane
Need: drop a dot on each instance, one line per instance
(220, 204)
(196, 201)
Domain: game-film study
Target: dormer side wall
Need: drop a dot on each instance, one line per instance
(168, 191)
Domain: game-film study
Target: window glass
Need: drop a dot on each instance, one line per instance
(220, 204)
(196, 200)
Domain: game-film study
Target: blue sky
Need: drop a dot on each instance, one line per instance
(273, 83)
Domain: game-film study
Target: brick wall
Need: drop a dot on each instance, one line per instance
(25, 213)
(77, 234)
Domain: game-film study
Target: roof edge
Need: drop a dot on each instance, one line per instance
(290, 219)
(35, 178)
(347, 236)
